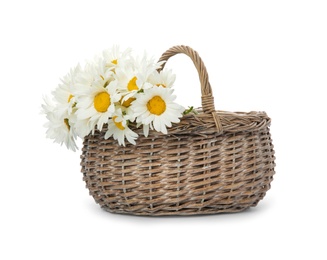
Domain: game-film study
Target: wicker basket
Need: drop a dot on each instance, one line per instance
(210, 162)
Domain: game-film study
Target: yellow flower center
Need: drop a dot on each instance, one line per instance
(102, 102)
(66, 121)
(114, 61)
(156, 105)
(127, 102)
(70, 97)
(118, 124)
(132, 84)
(162, 85)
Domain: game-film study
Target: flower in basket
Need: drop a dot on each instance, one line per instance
(114, 90)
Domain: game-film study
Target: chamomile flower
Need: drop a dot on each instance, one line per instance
(60, 128)
(134, 77)
(118, 128)
(156, 107)
(83, 127)
(95, 72)
(164, 78)
(114, 57)
(145, 64)
(64, 92)
(96, 105)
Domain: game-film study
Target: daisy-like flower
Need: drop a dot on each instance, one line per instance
(164, 78)
(156, 108)
(134, 77)
(64, 92)
(114, 57)
(128, 84)
(96, 105)
(95, 72)
(146, 65)
(60, 128)
(82, 126)
(118, 128)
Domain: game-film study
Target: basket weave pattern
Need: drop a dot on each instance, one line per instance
(210, 162)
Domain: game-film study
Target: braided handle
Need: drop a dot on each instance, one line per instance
(207, 99)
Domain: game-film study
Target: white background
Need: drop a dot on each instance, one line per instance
(260, 55)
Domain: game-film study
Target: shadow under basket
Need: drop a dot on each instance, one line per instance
(211, 162)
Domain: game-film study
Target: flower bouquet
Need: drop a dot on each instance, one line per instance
(114, 89)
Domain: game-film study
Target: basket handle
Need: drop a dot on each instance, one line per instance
(207, 98)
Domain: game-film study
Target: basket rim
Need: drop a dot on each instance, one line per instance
(232, 122)
(201, 123)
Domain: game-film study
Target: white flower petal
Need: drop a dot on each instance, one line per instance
(146, 130)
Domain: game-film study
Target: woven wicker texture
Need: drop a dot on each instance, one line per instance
(211, 162)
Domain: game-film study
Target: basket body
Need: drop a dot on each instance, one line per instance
(210, 162)
(186, 172)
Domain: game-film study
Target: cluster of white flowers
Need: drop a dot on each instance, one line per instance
(114, 89)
